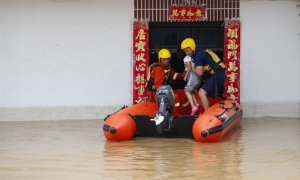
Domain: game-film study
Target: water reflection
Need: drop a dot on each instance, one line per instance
(173, 158)
(221, 159)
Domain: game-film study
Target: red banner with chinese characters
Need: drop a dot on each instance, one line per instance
(232, 59)
(190, 13)
(140, 60)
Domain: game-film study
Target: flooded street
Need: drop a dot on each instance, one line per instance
(260, 148)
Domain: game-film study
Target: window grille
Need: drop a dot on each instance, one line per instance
(157, 10)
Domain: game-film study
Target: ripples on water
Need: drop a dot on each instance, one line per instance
(260, 148)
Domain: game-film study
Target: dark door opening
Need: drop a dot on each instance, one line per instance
(170, 34)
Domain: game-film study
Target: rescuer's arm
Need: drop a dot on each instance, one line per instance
(198, 70)
(175, 75)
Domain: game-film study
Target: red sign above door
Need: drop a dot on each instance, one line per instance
(190, 13)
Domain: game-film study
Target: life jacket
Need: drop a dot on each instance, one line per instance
(150, 81)
(216, 65)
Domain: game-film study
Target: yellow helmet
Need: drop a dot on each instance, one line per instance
(164, 53)
(188, 42)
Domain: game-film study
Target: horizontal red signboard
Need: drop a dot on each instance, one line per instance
(197, 13)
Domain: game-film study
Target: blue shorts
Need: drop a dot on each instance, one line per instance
(209, 84)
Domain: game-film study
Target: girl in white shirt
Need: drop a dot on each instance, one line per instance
(193, 82)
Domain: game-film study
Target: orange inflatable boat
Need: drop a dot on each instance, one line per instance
(156, 119)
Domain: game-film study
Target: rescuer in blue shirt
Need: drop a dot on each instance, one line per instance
(208, 65)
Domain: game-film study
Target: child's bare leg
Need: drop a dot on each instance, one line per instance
(194, 98)
(190, 98)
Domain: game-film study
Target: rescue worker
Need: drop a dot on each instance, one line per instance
(209, 65)
(160, 73)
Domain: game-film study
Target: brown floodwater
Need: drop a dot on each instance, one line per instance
(260, 148)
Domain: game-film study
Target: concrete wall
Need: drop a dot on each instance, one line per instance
(72, 59)
(270, 58)
(64, 59)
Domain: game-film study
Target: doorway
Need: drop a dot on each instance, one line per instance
(170, 35)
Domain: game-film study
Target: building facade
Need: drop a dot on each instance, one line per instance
(68, 59)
